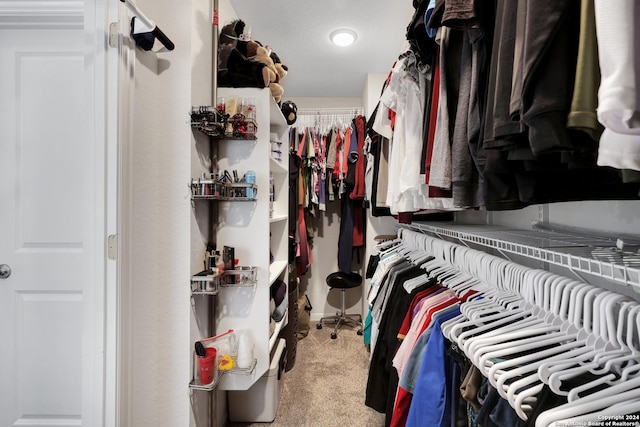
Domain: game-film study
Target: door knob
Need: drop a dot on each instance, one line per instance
(5, 271)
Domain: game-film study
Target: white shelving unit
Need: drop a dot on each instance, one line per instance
(248, 228)
(597, 256)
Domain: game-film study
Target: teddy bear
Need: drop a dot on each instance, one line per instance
(243, 62)
(281, 69)
(270, 73)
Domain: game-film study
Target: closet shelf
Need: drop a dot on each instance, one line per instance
(278, 218)
(273, 339)
(277, 167)
(277, 120)
(275, 270)
(587, 254)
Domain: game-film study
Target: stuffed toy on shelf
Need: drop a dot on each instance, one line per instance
(270, 73)
(289, 111)
(243, 62)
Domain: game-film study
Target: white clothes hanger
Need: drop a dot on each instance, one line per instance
(613, 371)
(598, 401)
(501, 346)
(572, 324)
(605, 302)
(627, 314)
(529, 364)
(514, 330)
(493, 324)
(583, 316)
(465, 284)
(448, 324)
(529, 386)
(484, 350)
(383, 251)
(385, 245)
(619, 411)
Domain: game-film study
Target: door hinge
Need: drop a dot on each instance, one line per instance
(112, 247)
(114, 33)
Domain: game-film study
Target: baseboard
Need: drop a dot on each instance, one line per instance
(317, 317)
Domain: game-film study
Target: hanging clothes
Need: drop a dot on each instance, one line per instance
(462, 344)
(499, 104)
(618, 98)
(333, 164)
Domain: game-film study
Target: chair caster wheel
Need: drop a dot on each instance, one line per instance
(359, 332)
(334, 335)
(319, 326)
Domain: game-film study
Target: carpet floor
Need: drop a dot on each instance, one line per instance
(326, 386)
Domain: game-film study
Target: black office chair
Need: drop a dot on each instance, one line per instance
(342, 281)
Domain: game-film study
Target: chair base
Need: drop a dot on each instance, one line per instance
(340, 319)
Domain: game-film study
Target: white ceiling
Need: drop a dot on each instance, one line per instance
(298, 31)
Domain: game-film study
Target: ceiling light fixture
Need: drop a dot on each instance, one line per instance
(343, 37)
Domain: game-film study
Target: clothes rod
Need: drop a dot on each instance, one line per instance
(329, 111)
(149, 25)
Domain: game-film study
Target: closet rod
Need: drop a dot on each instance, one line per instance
(150, 26)
(596, 257)
(328, 111)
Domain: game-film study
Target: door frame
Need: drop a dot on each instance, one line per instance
(101, 405)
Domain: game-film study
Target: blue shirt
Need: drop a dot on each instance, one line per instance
(431, 32)
(430, 403)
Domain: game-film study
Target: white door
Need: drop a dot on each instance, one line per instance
(51, 231)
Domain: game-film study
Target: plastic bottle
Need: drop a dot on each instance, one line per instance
(245, 352)
(250, 178)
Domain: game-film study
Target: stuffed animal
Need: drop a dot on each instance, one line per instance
(282, 69)
(270, 74)
(234, 68)
(228, 41)
(290, 112)
(243, 62)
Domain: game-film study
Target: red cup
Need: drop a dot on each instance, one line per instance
(207, 366)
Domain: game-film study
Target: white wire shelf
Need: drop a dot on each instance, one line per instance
(208, 282)
(594, 255)
(195, 384)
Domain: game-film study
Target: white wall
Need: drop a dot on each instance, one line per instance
(616, 217)
(372, 91)
(158, 212)
(323, 102)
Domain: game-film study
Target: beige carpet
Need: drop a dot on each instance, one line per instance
(326, 387)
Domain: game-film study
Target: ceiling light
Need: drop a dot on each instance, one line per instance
(343, 37)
